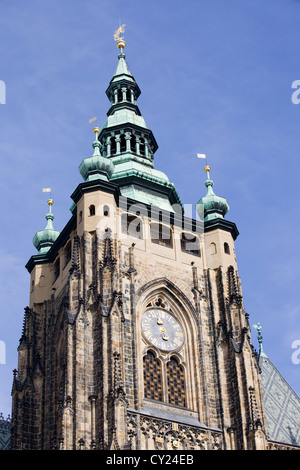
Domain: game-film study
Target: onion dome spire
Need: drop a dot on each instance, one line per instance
(97, 166)
(44, 239)
(211, 206)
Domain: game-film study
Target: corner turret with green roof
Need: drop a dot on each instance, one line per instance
(211, 206)
(44, 239)
(96, 166)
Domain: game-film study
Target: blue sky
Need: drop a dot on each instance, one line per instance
(215, 78)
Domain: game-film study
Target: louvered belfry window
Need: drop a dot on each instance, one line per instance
(152, 377)
(176, 386)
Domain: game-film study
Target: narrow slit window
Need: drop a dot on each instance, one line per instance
(226, 248)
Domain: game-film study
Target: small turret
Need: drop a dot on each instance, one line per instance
(97, 166)
(211, 206)
(44, 239)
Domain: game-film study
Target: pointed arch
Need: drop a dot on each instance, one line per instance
(177, 368)
(165, 286)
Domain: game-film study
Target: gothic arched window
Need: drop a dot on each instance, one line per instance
(152, 377)
(176, 385)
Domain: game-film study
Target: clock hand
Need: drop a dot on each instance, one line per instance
(163, 330)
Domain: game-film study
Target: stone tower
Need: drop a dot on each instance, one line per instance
(136, 335)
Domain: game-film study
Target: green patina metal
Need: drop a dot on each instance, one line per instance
(129, 167)
(258, 327)
(96, 167)
(211, 206)
(44, 239)
(122, 70)
(126, 151)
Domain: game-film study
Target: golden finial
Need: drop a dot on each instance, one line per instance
(120, 40)
(50, 202)
(96, 130)
(207, 169)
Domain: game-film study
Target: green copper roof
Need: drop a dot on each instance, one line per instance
(122, 70)
(126, 167)
(149, 185)
(122, 117)
(44, 239)
(128, 146)
(211, 206)
(97, 166)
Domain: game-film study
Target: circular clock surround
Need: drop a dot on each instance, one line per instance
(162, 330)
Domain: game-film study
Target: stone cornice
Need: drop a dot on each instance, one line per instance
(221, 224)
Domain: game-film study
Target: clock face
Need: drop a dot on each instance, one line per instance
(162, 330)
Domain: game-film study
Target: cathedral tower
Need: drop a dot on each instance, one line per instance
(136, 335)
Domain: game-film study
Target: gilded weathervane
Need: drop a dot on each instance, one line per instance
(118, 32)
(120, 40)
